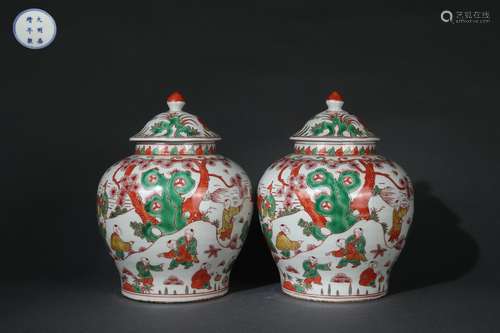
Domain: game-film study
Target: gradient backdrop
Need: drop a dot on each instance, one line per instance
(255, 73)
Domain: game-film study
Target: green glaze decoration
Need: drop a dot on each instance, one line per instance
(166, 207)
(336, 204)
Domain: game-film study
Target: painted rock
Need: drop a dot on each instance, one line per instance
(334, 213)
(174, 214)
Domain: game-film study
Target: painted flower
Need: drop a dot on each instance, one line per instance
(123, 193)
(212, 251)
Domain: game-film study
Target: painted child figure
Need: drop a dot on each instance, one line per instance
(400, 206)
(144, 269)
(201, 278)
(183, 252)
(311, 271)
(118, 245)
(368, 277)
(341, 251)
(232, 201)
(354, 251)
(284, 243)
(267, 204)
(228, 215)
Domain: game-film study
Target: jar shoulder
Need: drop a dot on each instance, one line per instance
(216, 164)
(298, 164)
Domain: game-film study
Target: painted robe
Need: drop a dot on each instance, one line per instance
(185, 254)
(267, 206)
(201, 279)
(368, 277)
(354, 252)
(397, 221)
(285, 244)
(311, 273)
(293, 286)
(144, 272)
(227, 222)
(119, 246)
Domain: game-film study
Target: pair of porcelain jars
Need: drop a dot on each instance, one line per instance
(175, 214)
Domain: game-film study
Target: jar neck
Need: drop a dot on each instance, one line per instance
(334, 149)
(174, 149)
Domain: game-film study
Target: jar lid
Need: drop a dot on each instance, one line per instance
(334, 125)
(175, 125)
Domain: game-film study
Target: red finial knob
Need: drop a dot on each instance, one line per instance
(175, 97)
(335, 96)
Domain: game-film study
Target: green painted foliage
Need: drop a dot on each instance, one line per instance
(335, 205)
(166, 205)
(173, 127)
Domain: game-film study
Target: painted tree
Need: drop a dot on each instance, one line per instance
(359, 203)
(154, 211)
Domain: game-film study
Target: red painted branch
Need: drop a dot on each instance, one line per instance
(221, 179)
(137, 202)
(307, 203)
(280, 176)
(387, 176)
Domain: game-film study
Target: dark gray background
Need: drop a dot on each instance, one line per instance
(255, 73)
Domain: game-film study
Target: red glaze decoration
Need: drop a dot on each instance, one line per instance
(175, 97)
(335, 96)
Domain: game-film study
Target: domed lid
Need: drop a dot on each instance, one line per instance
(175, 125)
(334, 125)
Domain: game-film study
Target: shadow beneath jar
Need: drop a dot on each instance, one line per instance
(437, 249)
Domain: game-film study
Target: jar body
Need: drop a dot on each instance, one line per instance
(335, 224)
(174, 224)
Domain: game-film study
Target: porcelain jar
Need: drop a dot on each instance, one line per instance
(174, 214)
(334, 213)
